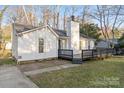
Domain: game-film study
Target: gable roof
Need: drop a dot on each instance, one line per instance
(28, 28)
(22, 28)
(20, 32)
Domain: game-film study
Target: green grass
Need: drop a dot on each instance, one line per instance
(7, 61)
(5, 58)
(106, 73)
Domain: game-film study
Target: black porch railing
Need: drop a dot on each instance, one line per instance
(87, 54)
(95, 53)
(119, 51)
(65, 54)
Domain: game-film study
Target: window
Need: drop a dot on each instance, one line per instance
(83, 44)
(41, 45)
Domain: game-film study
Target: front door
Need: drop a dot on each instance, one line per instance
(62, 44)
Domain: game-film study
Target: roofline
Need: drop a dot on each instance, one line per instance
(64, 37)
(28, 31)
(87, 38)
(53, 31)
(40, 27)
(19, 24)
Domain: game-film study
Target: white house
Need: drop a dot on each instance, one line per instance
(34, 43)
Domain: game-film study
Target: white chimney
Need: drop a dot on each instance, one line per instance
(73, 33)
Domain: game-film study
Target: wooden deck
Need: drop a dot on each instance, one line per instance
(85, 54)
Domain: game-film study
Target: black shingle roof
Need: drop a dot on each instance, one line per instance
(60, 32)
(85, 36)
(23, 28)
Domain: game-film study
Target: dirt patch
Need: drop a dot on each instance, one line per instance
(42, 64)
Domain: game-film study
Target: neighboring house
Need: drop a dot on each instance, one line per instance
(106, 43)
(102, 44)
(34, 43)
(114, 41)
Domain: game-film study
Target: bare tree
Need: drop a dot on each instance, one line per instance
(108, 18)
(115, 20)
(2, 12)
(73, 9)
(65, 18)
(102, 22)
(55, 12)
(85, 14)
(23, 15)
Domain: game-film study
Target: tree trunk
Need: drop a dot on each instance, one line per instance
(116, 17)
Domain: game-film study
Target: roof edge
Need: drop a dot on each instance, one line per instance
(28, 31)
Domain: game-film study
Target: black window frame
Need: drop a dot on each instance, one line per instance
(41, 45)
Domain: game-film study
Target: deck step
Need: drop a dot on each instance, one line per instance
(77, 61)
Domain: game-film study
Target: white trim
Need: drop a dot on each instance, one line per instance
(62, 37)
(52, 31)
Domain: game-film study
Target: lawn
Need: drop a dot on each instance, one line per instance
(7, 61)
(106, 73)
(5, 58)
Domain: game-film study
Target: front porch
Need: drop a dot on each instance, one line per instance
(85, 54)
(63, 43)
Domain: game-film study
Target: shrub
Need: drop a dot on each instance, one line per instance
(121, 44)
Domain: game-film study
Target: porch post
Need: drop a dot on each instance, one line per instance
(59, 47)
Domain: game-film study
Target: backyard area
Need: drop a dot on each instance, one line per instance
(94, 73)
(101, 73)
